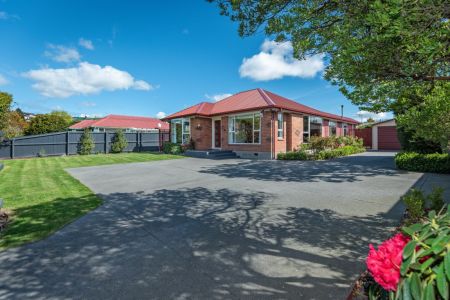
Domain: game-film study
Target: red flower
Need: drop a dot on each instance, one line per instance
(384, 264)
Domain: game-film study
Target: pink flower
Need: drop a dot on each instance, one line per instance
(384, 264)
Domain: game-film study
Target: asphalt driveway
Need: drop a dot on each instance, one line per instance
(205, 229)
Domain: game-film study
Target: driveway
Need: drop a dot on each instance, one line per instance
(205, 229)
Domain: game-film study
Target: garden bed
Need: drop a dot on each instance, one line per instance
(323, 148)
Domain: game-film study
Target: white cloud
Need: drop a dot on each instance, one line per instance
(160, 115)
(6, 16)
(276, 61)
(84, 79)
(364, 115)
(88, 104)
(91, 115)
(61, 53)
(218, 97)
(86, 44)
(3, 80)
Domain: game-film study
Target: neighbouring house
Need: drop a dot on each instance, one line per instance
(254, 124)
(111, 123)
(380, 135)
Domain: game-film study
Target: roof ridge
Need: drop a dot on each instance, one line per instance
(266, 97)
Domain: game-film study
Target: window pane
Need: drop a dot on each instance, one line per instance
(332, 128)
(256, 137)
(305, 124)
(186, 127)
(316, 126)
(257, 125)
(244, 129)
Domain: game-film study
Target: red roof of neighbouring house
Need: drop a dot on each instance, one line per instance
(118, 121)
(251, 100)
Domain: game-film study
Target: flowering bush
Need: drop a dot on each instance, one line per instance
(384, 263)
(414, 264)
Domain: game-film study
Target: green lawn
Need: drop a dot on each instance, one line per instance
(42, 197)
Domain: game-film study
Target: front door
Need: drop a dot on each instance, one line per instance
(217, 134)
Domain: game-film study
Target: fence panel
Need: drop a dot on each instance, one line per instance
(61, 143)
(366, 135)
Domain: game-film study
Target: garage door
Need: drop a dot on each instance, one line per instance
(387, 138)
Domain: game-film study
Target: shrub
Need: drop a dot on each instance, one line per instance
(86, 143)
(119, 142)
(338, 152)
(436, 199)
(415, 204)
(412, 161)
(424, 272)
(172, 148)
(294, 155)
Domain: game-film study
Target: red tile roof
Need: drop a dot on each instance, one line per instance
(251, 100)
(118, 121)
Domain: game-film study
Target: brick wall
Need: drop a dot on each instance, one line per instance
(201, 135)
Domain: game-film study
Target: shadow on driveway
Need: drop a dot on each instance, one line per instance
(345, 169)
(194, 243)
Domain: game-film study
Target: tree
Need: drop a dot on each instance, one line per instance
(86, 143)
(119, 142)
(431, 119)
(383, 55)
(53, 122)
(370, 120)
(16, 125)
(6, 101)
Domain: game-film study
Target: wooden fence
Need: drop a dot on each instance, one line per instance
(366, 135)
(68, 143)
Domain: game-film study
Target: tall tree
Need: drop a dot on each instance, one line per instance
(383, 55)
(52, 122)
(16, 125)
(6, 101)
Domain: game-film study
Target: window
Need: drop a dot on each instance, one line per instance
(305, 129)
(244, 129)
(331, 128)
(345, 126)
(315, 126)
(180, 131)
(280, 126)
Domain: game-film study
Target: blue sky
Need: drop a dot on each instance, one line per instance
(143, 58)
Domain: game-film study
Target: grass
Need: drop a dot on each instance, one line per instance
(42, 197)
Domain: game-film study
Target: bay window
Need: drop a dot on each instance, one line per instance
(180, 131)
(244, 129)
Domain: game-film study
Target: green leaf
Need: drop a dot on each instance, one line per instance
(409, 249)
(429, 292)
(442, 283)
(416, 286)
(447, 265)
(406, 289)
(405, 265)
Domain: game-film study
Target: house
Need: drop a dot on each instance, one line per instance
(380, 135)
(111, 123)
(254, 123)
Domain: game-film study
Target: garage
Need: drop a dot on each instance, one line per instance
(384, 136)
(387, 138)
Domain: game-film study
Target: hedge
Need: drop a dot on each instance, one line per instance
(433, 163)
(297, 155)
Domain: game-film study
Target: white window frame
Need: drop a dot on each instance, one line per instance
(280, 129)
(185, 135)
(232, 132)
(345, 129)
(309, 128)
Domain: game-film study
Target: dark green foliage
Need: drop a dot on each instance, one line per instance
(86, 143)
(172, 148)
(295, 155)
(410, 143)
(415, 203)
(436, 199)
(425, 268)
(46, 123)
(119, 142)
(434, 163)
